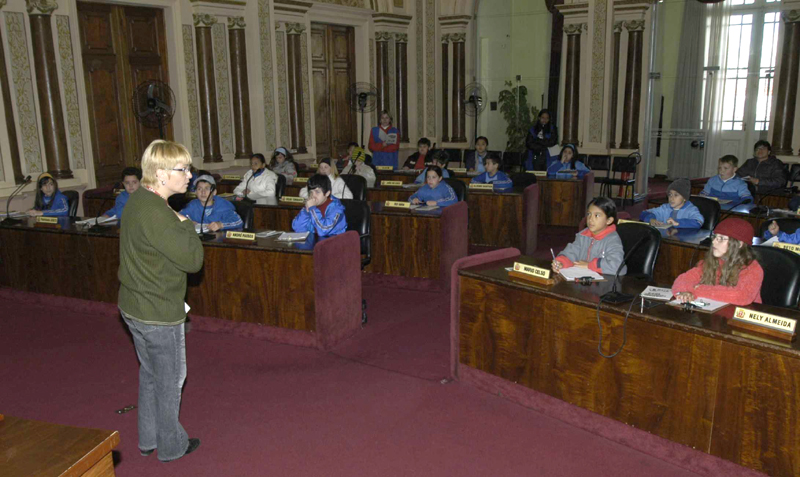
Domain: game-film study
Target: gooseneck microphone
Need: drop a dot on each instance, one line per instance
(8, 220)
(97, 227)
(615, 296)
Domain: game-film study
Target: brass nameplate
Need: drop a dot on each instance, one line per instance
(626, 221)
(293, 199)
(300, 179)
(538, 173)
(397, 204)
(457, 169)
(774, 322)
(788, 246)
(46, 220)
(478, 185)
(392, 183)
(313, 166)
(233, 235)
(531, 270)
(384, 168)
(231, 177)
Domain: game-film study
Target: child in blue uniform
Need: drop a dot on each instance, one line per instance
(49, 201)
(439, 159)
(784, 237)
(323, 213)
(678, 212)
(475, 159)
(567, 166)
(493, 175)
(727, 185)
(434, 192)
(220, 214)
(131, 177)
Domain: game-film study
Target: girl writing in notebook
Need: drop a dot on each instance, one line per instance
(729, 272)
(598, 246)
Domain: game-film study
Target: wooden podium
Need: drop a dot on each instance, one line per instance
(41, 448)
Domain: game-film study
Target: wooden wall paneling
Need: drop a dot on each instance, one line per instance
(322, 94)
(274, 217)
(11, 125)
(495, 219)
(343, 74)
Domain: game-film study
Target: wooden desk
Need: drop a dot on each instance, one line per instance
(503, 219)
(687, 377)
(563, 201)
(43, 449)
(680, 250)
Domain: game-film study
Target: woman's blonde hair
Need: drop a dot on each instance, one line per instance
(162, 155)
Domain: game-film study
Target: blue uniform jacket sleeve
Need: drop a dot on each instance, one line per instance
(302, 223)
(332, 223)
(448, 196)
(480, 178)
(225, 212)
(502, 182)
(193, 210)
(554, 167)
(786, 238)
(119, 205)
(60, 207)
(689, 217)
(660, 213)
(743, 190)
(421, 177)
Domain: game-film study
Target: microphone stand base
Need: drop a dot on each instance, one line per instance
(10, 221)
(206, 237)
(615, 297)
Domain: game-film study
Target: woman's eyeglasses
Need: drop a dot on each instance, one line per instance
(184, 170)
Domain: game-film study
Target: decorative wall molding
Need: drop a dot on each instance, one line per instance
(634, 25)
(236, 23)
(458, 37)
(419, 15)
(598, 70)
(221, 74)
(373, 114)
(617, 27)
(306, 87)
(401, 37)
(573, 29)
(191, 90)
(790, 16)
(70, 92)
(41, 7)
(294, 28)
(446, 38)
(3, 3)
(383, 36)
(265, 29)
(203, 20)
(391, 20)
(430, 67)
(454, 20)
(283, 81)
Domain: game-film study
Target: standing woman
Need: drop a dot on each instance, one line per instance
(384, 142)
(157, 248)
(282, 162)
(541, 136)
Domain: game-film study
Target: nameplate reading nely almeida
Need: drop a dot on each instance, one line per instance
(293, 199)
(392, 183)
(231, 177)
(764, 323)
(788, 246)
(397, 204)
(239, 237)
(531, 273)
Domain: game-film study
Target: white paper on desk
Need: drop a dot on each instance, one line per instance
(13, 214)
(106, 220)
(425, 208)
(197, 228)
(413, 185)
(571, 273)
(268, 233)
(293, 236)
(657, 293)
(705, 304)
(724, 201)
(662, 226)
(770, 241)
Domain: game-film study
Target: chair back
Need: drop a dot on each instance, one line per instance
(512, 159)
(598, 162)
(625, 164)
(643, 260)
(357, 185)
(458, 187)
(454, 155)
(794, 175)
(709, 209)
(178, 202)
(523, 179)
(781, 285)
(280, 186)
(245, 210)
(72, 199)
(788, 225)
(359, 219)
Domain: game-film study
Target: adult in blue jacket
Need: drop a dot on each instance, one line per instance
(493, 175)
(49, 201)
(131, 178)
(323, 214)
(677, 212)
(434, 192)
(219, 214)
(727, 185)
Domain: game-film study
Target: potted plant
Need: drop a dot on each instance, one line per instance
(518, 115)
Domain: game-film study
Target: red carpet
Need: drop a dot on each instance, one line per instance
(266, 409)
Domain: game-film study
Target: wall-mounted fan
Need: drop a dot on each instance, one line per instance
(154, 104)
(363, 98)
(475, 99)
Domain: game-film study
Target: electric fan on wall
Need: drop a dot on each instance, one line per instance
(362, 98)
(474, 102)
(154, 104)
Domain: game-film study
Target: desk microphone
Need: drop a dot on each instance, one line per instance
(759, 209)
(97, 227)
(204, 236)
(246, 188)
(8, 220)
(615, 296)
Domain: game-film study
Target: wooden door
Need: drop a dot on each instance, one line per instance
(333, 70)
(121, 47)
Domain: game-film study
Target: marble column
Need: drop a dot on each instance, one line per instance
(612, 118)
(54, 133)
(294, 70)
(459, 76)
(207, 87)
(633, 85)
(382, 70)
(240, 92)
(786, 94)
(401, 82)
(445, 87)
(572, 83)
(11, 127)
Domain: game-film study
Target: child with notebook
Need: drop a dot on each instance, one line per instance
(678, 212)
(434, 192)
(322, 213)
(493, 175)
(49, 201)
(727, 185)
(729, 272)
(598, 246)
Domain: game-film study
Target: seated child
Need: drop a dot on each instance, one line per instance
(357, 158)
(567, 166)
(49, 201)
(338, 188)
(678, 212)
(323, 213)
(727, 185)
(474, 159)
(434, 192)
(283, 163)
(347, 159)
(220, 214)
(259, 182)
(439, 159)
(493, 175)
(598, 246)
(417, 160)
(729, 272)
(784, 237)
(131, 176)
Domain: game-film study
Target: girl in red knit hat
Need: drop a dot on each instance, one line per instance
(729, 272)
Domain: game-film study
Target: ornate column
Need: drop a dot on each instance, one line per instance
(445, 91)
(633, 86)
(241, 90)
(459, 75)
(572, 84)
(612, 119)
(401, 82)
(294, 69)
(382, 69)
(47, 85)
(11, 127)
(786, 96)
(207, 87)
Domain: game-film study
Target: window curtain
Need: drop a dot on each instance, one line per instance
(716, 66)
